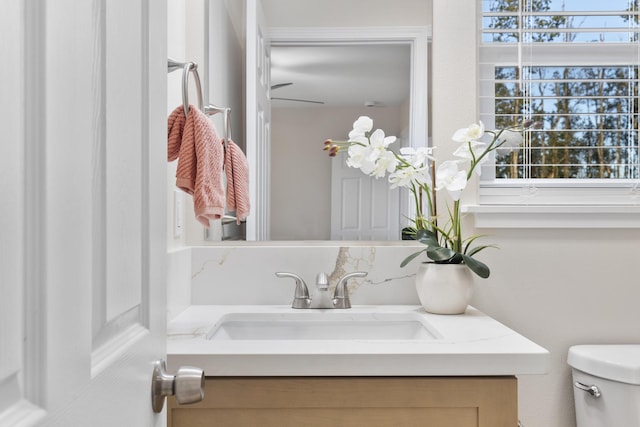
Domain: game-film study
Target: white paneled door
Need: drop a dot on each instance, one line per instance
(82, 223)
(362, 207)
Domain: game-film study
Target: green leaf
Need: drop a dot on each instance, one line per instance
(469, 241)
(427, 237)
(476, 266)
(410, 258)
(477, 249)
(457, 259)
(439, 253)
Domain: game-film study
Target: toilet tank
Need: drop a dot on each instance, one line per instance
(614, 370)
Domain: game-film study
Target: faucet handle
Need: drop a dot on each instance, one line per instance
(301, 294)
(341, 294)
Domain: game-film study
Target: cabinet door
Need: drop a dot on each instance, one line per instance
(351, 402)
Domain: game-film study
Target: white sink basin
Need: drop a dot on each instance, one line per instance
(322, 325)
(403, 340)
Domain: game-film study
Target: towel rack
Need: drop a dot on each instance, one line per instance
(192, 67)
(187, 67)
(210, 110)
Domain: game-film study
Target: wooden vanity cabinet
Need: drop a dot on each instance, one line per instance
(351, 402)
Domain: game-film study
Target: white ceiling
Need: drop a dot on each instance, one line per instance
(341, 75)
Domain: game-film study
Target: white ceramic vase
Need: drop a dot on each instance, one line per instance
(444, 288)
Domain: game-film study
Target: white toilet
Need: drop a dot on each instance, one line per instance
(606, 385)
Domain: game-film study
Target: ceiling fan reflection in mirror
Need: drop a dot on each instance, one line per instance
(281, 85)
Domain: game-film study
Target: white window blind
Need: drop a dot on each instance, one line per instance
(573, 66)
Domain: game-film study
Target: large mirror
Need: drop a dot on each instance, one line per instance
(318, 90)
(320, 84)
(357, 57)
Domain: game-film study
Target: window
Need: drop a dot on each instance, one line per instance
(572, 65)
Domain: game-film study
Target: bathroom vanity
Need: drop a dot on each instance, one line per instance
(369, 365)
(352, 401)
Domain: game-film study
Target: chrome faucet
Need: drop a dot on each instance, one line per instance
(301, 298)
(321, 298)
(341, 294)
(301, 294)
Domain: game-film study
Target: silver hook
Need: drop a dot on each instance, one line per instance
(173, 65)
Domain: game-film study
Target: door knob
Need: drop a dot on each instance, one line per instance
(187, 385)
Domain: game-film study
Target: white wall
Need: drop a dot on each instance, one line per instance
(557, 287)
(301, 171)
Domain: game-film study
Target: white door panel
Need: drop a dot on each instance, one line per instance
(85, 248)
(362, 207)
(123, 186)
(16, 405)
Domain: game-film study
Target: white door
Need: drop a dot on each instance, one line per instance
(82, 252)
(258, 120)
(362, 207)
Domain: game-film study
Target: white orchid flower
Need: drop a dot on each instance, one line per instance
(379, 141)
(464, 151)
(450, 177)
(472, 133)
(405, 176)
(370, 155)
(359, 155)
(417, 156)
(368, 167)
(377, 159)
(361, 126)
(510, 140)
(386, 162)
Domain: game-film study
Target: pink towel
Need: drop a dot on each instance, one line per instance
(237, 172)
(194, 142)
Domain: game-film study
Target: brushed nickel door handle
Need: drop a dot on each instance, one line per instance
(187, 385)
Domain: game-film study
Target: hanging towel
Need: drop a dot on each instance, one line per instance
(194, 142)
(237, 173)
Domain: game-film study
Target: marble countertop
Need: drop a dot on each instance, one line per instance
(472, 344)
